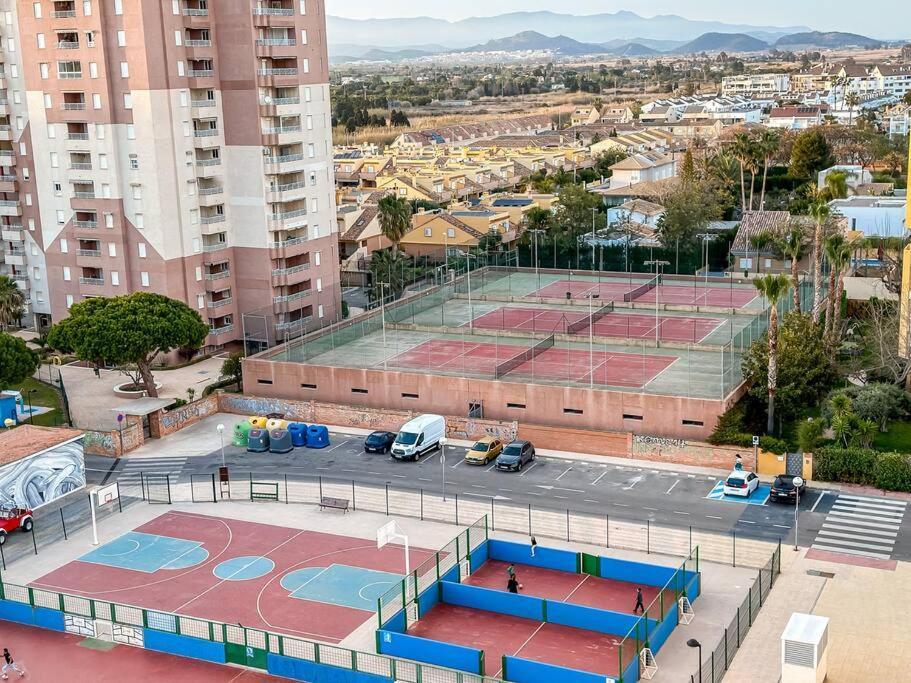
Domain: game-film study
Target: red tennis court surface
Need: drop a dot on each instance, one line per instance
(255, 601)
(615, 324)
(578, 589)
(698, 295)
(573, 365)
(500, 634)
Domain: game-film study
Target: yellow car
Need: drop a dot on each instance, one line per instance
(486, 449)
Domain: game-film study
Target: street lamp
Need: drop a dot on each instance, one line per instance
(692, 642)
(798, 482)
(443, 443)
(221, 437)
(658, 266)
(383, 286)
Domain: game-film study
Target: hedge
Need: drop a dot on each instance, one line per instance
(887, 471)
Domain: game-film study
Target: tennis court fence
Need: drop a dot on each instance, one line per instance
(504, 368)
(589, 321)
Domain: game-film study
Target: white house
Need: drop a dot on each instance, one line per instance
(637, 211)
(643, 167)
(873, 216)
(796, 118)
(899, 120)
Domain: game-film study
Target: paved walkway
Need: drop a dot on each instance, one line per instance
(92, 398)
(868, 631)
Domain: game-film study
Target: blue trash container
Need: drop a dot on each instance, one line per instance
(317, 436)
(298, 432)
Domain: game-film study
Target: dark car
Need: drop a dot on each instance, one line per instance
(379, 442)
(783, 488)
(515, 456)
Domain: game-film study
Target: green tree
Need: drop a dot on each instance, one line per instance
(792, 245)
(573, 218)
(129, 330)
(760, 242)
(12, 302)
(395, 219)
(233, 367)
(688, 209)
(820, 211)
(744, 151)
(810, 154)
(773, 288)
(389, 273)
(606, 159)
(767, 145)
(836, 185)
(805, 368)
(838, 252)
(17, 361)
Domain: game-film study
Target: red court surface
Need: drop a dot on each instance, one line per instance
(615, 324)
(259, 601)
(500, 634)
(53, 656)
(572, 365)
(578, 589)
(583, 289)
(698, 295)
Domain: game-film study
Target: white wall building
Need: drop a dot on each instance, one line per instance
(748, 84)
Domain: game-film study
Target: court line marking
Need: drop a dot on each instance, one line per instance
(522, 647)
(672, 487)
(599, 478)
(128, 552)
(187, 552)
(573, 591)
(315, 576)
(662, 371)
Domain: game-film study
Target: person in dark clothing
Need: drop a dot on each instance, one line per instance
(534, 545)
(9, 664)
(512, 585)
(639, 606)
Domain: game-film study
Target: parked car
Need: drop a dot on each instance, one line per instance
(379, 442)
(516, 455)
(741, 483)
(487, 448)
(783, 488)
(14, 518)
(419, 436)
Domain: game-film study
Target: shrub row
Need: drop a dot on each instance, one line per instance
(887, 471)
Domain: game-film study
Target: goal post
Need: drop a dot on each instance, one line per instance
(389, 532)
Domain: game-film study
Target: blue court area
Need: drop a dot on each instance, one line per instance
(759, 497)
(147, 553)
(339, 584)
(244, 568)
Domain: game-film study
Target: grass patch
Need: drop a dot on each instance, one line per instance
(45, 396)
(897, 439)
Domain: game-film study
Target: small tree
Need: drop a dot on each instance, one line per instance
(12, 302)
(810, 154)
(395, 219)
(792, 245)
(126, 330)
(17, 361)
(233, 367)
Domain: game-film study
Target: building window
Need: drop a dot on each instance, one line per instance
(693, 423)
(571, 411)
(264, 381)
(64, 247)
(355, 390)
(66, 273)
(69, 300)
(428, 232)
(628, 416)
(519, 406)
(115, 278)
(411, 396)
(124, 69)
(308, 386)
(121, 38)
(144, 279)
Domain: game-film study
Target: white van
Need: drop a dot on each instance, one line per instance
(418, 436)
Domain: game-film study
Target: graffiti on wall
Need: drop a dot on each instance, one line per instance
(648, 441)
(472, 429)
(177, 418)
(37, 480)
(252, 405)
(99, 443)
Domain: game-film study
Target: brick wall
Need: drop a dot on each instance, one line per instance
(167, 422)
(108, 444)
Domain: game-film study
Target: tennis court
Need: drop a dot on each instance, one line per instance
(543, 361)
(608, 322)
(648, 291)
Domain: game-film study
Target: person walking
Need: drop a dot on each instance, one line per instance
(9, 664)
(511, 571)
(512, 585)
(534, 545)
(738, 462)
(639, 606)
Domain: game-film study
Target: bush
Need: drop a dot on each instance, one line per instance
(729, 432)
(888, 471)
(892, 472)
(878, 402)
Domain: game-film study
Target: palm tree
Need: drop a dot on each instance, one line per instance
(839, 253)
(742, 151)
(833, 246)
(791, 244)
(772, 287)
(760, 242)
(12, 302)
(766, 146)
(852, 99)
(390, 268)
(820, 211)
(395, 219)
(836, 185)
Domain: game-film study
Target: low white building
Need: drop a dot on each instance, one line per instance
(748, 84)
(873, 216)
(796, 118)
(899, 120)
(643, 167)
(855, 175)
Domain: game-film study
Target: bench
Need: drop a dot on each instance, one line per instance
(335, 503)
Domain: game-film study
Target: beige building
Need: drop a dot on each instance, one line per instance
(180, 147)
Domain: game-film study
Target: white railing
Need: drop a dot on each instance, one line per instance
(207, 191)
(284, 71)
(220, 275)
(286, 42)
(197, 42)
(214, 247)
(287, 243)
(224, 329)
(209, 220)
(215, 161)
(219, 303)
(277, 272)
(91, 281)
(200, 73)
(291, 297)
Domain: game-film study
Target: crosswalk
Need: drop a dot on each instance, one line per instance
(859, 525)
(133, 469)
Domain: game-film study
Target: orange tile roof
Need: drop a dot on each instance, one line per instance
(25, 440)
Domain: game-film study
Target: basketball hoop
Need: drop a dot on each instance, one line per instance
(391, 531)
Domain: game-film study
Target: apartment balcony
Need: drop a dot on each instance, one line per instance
(201, 107)
(289, 248)
(290, 276)
(293, 325)
(219, 275)
(69, 75)
(288, 220)
(221, 303)
(21, 281)
(274, 47)
(279, 17)
(197, 42)
(215, 334)
(282, 135)
(84, 194)
(8, 183)
(94, 281)
(88, 257)
(6, 132)
(7, 158)
(287, 163)
(10, 207)
(283, 76)
(67, 44)
(77, 136)
(211, 196)
(273, 11)
(14, 256)
(72, 106)
(207, 139)
(291, 298)
(63, 14)
(212, 220)
(81, 166)
(9, 233)
(4, 107)
(218, 246)
(286, 192)
(85, 224)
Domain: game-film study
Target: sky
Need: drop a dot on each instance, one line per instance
(839, 15)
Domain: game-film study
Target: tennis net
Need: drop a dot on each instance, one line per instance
(590, 320)
(642, 289)
(508, 366)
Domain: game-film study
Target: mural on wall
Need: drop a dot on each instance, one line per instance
(39, 479)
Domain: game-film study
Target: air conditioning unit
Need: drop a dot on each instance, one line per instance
(804, 657)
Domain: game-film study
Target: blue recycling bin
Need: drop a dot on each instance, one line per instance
(317, 436)
(298, 432)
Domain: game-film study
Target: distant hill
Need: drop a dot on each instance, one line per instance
(723, 42)
(532, 40)
(829, 39)
(377, 55)
(633, 50)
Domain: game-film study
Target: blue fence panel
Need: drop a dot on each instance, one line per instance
(660, 632)
(593, 619)
(185, 646)
(428, 599)
(430, 651)
(49, 618)
(302, 670)
(528, 671)
(452, 575)
(479, 556)
(635, 572)
(22, 613)
(631, 672)
(546, 558)
(491, 600)
(396, 622)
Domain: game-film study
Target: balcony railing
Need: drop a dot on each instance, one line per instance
(197, 42)
(287, 243)
(220, 275)
(214, 247)
(69, 74)
(202, 103)
(194, 12)
(284, 215)
(9, 202)
(8, 178)
(208, 162)
(276, 42)
(77, 136)
(200, 73)
(283, 71)
(85, 224)
(277, 272)
(208, 191)
(219, 303)
(282, 129)
(294, 324)
(282, 100)
(73, 106)
(88, 252)
(288, 186)
(81, 166)
(63, 14)
(67, 44)
(84, 194)
(274, 11)
(291, 297)
(91, 281)
(284, 159)
(209, 220)
(205, 132)
(224, 329)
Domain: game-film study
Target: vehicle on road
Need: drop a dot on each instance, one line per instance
(418, 436)
(12, 518)
(783, 488)
(516, 455)
(741, 483)
(486, 448)
(379, 442)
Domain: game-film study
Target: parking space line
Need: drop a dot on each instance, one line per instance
(562, 497)
(478, 486)
(813, 509)
(564, 472)
(672, 487)
(424, 479)
(491, 467)
(338, 445)
(648, 508)
(589, 500)
(745, 521)
(781, 526)
(533, 465)
(713, 517)
(599, 478)
(457, 464)
(680, 513)
(621, 505)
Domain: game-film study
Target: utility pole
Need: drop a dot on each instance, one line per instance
(383, 286)
(536, 232)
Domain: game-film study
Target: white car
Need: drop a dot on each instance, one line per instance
(741, 483)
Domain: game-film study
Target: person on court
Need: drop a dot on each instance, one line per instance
(9, 663)
(534, 544)
(511, 571)
(512, 585)
(639, 606)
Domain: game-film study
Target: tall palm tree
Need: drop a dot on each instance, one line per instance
(820, 211)
(742, 151)
(772, 287)
(791, 244)
(852, 99)
(395, 219)
(12, 302)
(838, 251)
(833, 246)
(836, 184)
(767, 146)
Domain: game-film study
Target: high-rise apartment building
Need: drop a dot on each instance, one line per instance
(172, 146)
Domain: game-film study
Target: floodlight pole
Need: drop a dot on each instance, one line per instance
(92, 502)
(658, 266)
(383, 286)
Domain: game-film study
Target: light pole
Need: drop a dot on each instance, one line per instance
(443, 443)
(120, 417)
(706, 238)
(798, 482)
(468, 257)
(221, 437)
(594, 212)
(31, 412)
(536, 232)
(658, 266)
(692, 642)
(383, 286)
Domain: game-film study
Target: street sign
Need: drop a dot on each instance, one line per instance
(755, 440)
